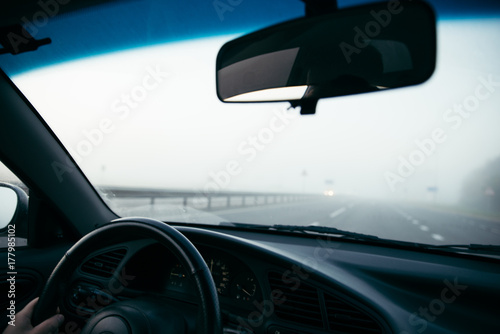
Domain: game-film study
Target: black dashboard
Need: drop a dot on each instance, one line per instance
(291, 284)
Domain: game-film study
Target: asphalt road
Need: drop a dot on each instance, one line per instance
(399, 221)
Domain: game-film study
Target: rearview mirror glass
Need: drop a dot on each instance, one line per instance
(356, 50)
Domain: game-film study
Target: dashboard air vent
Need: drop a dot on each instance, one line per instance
(344, 318)
(300, 300)
(103, 265)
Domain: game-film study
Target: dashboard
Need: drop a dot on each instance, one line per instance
(290, 284)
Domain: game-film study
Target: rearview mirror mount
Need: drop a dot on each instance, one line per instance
(356, 50)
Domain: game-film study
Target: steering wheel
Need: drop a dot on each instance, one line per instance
(136, 315)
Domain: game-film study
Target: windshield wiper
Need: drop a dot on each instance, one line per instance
(311, 229)
(307, 229)
(325, 230)
(489, 249)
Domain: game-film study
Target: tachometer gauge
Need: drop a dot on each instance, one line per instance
(244, 287)
(221, 275)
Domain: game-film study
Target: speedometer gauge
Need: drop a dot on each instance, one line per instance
(221, 275)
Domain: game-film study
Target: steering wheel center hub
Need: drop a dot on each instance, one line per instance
(111, 325)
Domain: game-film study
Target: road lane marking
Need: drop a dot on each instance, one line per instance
(437, 237)
(424, 228)
(337, 212)
(314, 224)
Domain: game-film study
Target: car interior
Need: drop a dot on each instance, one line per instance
(125, 231)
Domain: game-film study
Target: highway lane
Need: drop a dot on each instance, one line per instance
(398, 221)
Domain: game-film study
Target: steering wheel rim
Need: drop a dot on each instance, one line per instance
(125, 229)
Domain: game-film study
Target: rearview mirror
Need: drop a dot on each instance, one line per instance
(356, 50)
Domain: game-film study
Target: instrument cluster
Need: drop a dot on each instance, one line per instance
(233, 279)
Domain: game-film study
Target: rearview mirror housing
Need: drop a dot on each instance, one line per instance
(356, 50)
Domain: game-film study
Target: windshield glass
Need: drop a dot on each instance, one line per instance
(129, 89)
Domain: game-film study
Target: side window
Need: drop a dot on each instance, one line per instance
(13, 209)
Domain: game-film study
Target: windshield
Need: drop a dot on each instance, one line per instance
(129, 89)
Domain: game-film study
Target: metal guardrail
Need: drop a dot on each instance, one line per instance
(206, 201)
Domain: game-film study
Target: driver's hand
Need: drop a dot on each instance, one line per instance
(23, 322)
